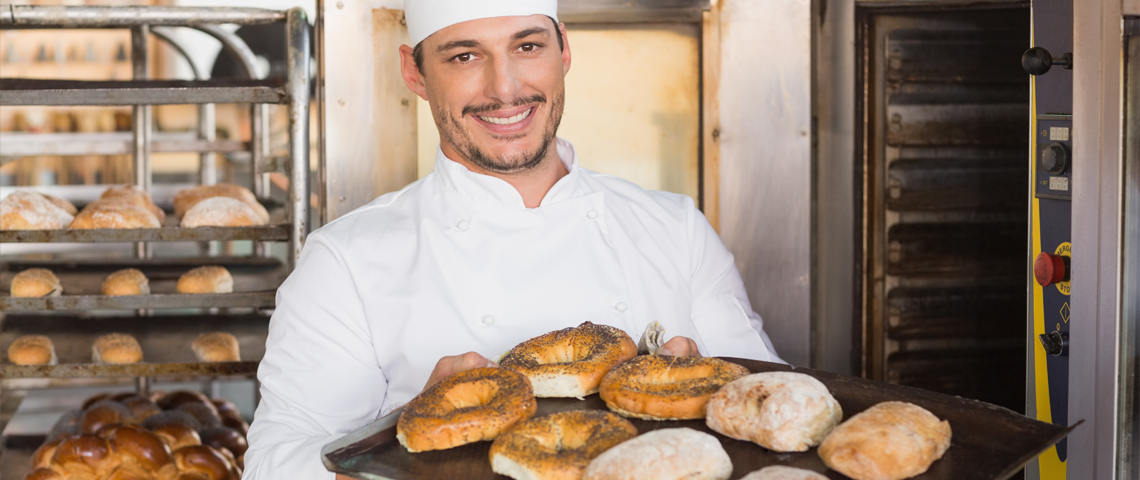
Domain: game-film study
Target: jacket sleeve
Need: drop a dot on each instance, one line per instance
(320, 377)
(721, 311)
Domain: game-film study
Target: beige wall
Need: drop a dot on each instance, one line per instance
(632, 105)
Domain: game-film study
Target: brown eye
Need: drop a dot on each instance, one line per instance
(529, 47)
(463, 57)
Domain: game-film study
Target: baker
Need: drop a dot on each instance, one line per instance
(507, 239)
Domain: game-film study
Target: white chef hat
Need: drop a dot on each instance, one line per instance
(426, 17)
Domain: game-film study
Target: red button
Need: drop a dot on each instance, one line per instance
(1048, 269)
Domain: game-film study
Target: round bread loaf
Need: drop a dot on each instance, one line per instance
(23, 210)
(780, 472)
(221, 212)
(467, 407)
(32, 350)
(558, 446)
(659, 387)
(570, 362)
(62, 204)
(889, 441)
(129, 281)
(209, 279)
(116, 348)
(114, 214)
(780, 411)
(216, 347)
(36, 282)
(130, 194)
(103, 413)
(666, 453)
(184, 200)
(85, 454)
(136, 445)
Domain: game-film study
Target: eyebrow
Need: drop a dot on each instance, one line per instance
(531, 31)
(475, 43)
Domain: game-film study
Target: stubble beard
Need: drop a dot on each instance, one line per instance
(454, 133)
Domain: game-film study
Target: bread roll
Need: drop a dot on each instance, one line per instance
(114, 214)
(102, 414)
(176, 435)
(178, 397)
(221, 212)
(85, 456)
(889, 441)
(205, 413)
(203, 460)
(32, 350)
(216, 347)
(44, 474)
(780, 411)
(41, 458)
(780, 472)
(139, 446)
(171, 417)
(186, 199)
(62, 204)
(116, 348)
(128, 281)
(206, 280)
(665, 453)
(225, 438)
(36, 282)
(23, 210)
(141, 408)
(132, 195)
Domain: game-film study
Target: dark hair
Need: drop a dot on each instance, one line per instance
(418, 50)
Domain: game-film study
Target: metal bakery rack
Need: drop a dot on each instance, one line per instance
(164, 322)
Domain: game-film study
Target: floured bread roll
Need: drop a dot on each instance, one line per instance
(780, 472)
(116, 348)
(32, 350)
(128, 281)
(186, 199)
(209, 279)
(36, 282)
(22, 210)
(221, 212)
(134, 196)
(666, 453)
(216, 347)
(62, 204)
(781, 411)
(889, 441)
(114, 214)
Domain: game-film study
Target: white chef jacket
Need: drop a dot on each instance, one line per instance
(454, 263)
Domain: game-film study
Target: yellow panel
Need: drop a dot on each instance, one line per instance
(632, 105)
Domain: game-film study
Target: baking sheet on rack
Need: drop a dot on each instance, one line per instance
(989, 442)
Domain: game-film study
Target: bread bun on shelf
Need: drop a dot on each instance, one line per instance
(114, 214)
(216, 347)
(889, 441)
(68, 424)
(205, 413)
(173, 399)
(85, 456)
(221, 212)
(98, 397)
(176, 435)
(32, 350)
(141, 408)
(171, 417)
(132, 195)
(62, 204)
(116, 348)
(186, 199)
(205, 461)
(129, 281)
(225, 438)
(210, 279)
(36, 282)
(102, 414)
(137, 445)
(666, 453)
(23, 210)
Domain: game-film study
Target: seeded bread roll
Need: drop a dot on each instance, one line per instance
(22, 210)
(32, 350)
(216, 347)
(221, 212)
(132, 195)
(128, 281)
(211, 279)
(186, 199)
(115, 213)
(36, 282)
(116, 348)
(889, 441)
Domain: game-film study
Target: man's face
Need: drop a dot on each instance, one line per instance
(495, 87)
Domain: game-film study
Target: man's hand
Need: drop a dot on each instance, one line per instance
(679, 347)
(448, 366)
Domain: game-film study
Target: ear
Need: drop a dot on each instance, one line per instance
(412, 76)
(565, 49)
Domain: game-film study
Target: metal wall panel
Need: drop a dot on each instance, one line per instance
(764, 130)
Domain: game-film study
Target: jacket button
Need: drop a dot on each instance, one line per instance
(592, 214)
(462, 225)
(620, 306)
(488, 320)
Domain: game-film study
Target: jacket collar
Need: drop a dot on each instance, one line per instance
(487, 189)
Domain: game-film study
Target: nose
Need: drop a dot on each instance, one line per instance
(504, 84)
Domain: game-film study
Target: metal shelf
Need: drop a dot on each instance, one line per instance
(15, 144)
(164, 234)
(105, 302)
(22, 91)
(89, 370)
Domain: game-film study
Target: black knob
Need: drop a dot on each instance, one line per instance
(1055, 158)
(1037, 61)
(1055, 343)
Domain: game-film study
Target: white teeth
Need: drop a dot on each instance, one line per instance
(507, 121)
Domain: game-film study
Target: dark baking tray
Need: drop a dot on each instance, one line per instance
(989, 442)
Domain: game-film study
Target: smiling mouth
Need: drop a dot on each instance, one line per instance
(507, 120)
